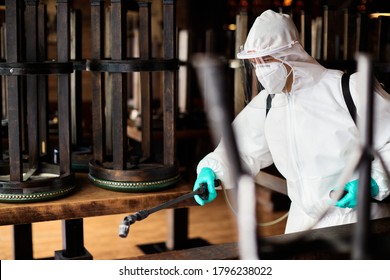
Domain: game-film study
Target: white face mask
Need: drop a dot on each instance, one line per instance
(272, 76)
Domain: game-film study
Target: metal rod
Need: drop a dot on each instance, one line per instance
(98, 100)
(63, 54)
(145, 42)
(365, 125)
(31, 19)
(209, 70)
(118, 86)
(170, 77)
(14, 91)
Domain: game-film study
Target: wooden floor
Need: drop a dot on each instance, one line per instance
(214, 223)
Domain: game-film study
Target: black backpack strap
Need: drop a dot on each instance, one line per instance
(269, 103)
(347, 96)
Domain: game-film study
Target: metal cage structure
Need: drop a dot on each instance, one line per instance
(28, 173)
(119, 169)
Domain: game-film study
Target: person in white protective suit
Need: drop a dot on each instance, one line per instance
(308, 133)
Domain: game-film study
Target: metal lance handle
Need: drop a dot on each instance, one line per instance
(124, 227)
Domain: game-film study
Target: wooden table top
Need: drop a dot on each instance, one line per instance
(89, 200)
(332, 243)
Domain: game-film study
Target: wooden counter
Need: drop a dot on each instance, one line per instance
(89, 200)
(333, 243)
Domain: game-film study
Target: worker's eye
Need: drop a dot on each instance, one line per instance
(267, 59)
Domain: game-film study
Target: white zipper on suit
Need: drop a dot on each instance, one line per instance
(293, 142)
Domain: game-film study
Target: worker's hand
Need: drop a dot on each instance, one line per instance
(350, 198)
(207, 176)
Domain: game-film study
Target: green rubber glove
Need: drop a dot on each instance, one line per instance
(350, 199)
(207, 176)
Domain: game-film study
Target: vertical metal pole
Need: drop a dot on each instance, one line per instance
(362, 227)
(13, 91)
(23, 245)
(98, 100)
(108, 82)
(118, 86)
(326, 33)
(177, 229)
(308, 14)
(75, 78)
(212, 90)
(145, 53)
(346, 34)
(73, 238)
(2, 101)
(241, 32)
(63, 52)
(31, 23)
(170, 80)
(22, 233)
(383, 33)
(362, 32)
(42, 81)
(177, 234)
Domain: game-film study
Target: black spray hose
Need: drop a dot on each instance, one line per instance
(124, 227)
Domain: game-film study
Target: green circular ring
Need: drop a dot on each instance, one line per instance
(125, 186)
(35, 197)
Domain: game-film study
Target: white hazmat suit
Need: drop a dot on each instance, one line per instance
(308, 133)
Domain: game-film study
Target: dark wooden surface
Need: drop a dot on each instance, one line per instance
(227, 251)
(323, 243)
(89, 200)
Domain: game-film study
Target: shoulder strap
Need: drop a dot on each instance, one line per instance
(347, 96)
(346, 93)
(269, 102)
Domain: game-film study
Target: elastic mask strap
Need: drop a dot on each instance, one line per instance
(283, 60)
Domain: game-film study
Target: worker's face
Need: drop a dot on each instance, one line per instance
(267, 65)
(267, 59)
(262, 60)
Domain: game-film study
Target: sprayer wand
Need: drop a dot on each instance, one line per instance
(124, 227)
